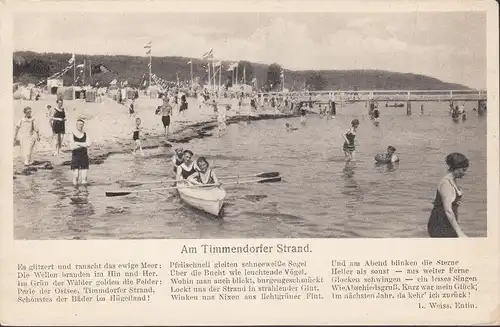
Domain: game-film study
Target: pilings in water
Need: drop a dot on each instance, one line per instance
(408, 108)
(481, 107)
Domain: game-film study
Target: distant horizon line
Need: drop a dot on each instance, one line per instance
(254, 62)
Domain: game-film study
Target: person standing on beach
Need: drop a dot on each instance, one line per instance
(349, 137)
(443, 221)
(79, 156)
(58, 126)
(136, 136)
(28, 134)
(221, 119)
(166, 111)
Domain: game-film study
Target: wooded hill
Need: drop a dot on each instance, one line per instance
(31, 67)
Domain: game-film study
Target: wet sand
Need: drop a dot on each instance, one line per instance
(109, 126)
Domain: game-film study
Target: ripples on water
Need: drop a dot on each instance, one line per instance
(318, 197)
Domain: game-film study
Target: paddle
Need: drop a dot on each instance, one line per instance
(260, 175)
(127, 192)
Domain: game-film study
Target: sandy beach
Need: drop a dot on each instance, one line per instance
(109, 126)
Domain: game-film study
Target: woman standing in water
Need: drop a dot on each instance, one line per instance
(349, 137)
(28, 134)
(58, 126)
(79, 156)
(443, 221)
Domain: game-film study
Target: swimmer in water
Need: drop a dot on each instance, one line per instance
(349, 137)
(388, 157)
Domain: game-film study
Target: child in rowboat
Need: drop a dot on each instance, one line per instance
(204, 175)
(187, 168)
(178, 158)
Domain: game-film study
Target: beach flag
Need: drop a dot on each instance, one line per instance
(72, 59)
(282, 75)
(233, 66)
(148, 52)
(113, 82)
(208, 55)
(254, 80)
(189, 62)
(80, 66)
(148, 45)
(149, 64)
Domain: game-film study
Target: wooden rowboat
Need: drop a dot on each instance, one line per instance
(208, 199)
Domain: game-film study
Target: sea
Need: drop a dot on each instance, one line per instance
(319, 196)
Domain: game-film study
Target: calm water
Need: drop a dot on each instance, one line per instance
(318, 196)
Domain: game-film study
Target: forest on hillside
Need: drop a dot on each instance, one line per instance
(31, 67)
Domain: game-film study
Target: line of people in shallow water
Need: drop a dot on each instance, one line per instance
(195, 173)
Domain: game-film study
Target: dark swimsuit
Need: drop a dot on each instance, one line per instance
(79, 156)
(439, 225)
(58, 126)
(349, 147)
(186, 173)
(136, 135)
(209, 181)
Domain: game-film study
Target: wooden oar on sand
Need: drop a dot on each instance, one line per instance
(127, 192)
(138, 183)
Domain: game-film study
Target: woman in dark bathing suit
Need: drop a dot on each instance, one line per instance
(349, 137)
(58, 122)
(443, 221)
(79, 156)
(187, 168)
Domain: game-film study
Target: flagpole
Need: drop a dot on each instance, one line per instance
(84, 65)
(244, 74)
(220, 73)
(191, 73)
(149, 67)
(209, 80)
(74, 71)
(237, 74)
(90, 71)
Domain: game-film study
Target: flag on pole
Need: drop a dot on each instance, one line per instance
(149, 64)
(72, 59)
(189, 62)
(208, 55)
(80, 66)
(233, 66)
(282, 75)
(148, 52)
(113, 82)
(148, 45)
(254, 80)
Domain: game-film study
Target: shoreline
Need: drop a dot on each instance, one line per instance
(184, 134)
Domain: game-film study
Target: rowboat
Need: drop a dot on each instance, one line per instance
(208, 199)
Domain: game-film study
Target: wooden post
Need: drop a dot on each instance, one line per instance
(408, 108)
(480, 108)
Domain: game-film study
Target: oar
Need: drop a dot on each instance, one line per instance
(260, 175)
(127, 192)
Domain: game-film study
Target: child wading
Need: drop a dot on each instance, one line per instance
(79, 156)
(136, 136)
(28, 134)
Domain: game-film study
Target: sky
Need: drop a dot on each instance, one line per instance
(450, 46)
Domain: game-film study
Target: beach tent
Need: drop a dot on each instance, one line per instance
(65, 93)
(153, 92)
(91, 95)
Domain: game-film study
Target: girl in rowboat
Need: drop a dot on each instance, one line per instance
(178, 158)
(187, 168)
(205, 175)
(349, 137)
